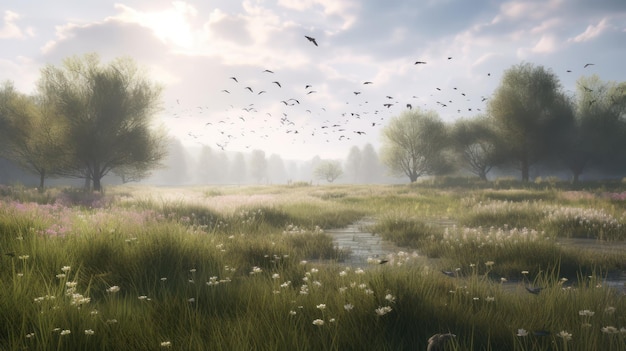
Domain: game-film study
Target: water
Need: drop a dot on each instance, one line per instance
(364, 245)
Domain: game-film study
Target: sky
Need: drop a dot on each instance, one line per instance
(321, 104)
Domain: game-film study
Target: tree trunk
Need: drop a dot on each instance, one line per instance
(96, 184)
(42, 177)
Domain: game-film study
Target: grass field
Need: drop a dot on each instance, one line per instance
(251, 268)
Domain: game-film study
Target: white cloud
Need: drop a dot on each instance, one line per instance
(10, 29)
(591, 31)
(545, 45)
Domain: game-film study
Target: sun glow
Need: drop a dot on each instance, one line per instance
(172, 26)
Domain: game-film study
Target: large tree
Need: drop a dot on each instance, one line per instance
(476, 144)
(596, 139)
(353, 164)
(32, 133)
(529, 111)
(414, 143)
(108, 110)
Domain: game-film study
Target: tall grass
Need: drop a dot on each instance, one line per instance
(149, 275)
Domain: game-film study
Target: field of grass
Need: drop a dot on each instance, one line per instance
(251, 268)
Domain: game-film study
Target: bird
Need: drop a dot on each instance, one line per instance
(367, 82)
(449, 58)
(277, 83)
(235, 79)
(357, 92)
(533, 290)
(311, 92)
(409, 106)
(261, 92)
(449, 273)
(308, 86)
(420, 62)
(226, 91)
(387, 105)
(249, 89)
(312, 40)
(437, 341)
(268, 71)
(588, 64)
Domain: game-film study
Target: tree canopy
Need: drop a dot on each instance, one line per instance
(108, 110)
(414, 143)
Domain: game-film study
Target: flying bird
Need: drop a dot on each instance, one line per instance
(226, 91)
(357, 92)
(277, 83)
(249, 89)
(308, 86)
(268, 71)
(235, 79)
(588, 64)
(312, 40)
(409, 106)
(420, 62)
(367, 82)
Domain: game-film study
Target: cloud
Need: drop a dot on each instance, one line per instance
(591, 31)
(10, 30)
(547, 44)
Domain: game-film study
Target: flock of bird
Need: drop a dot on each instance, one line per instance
(272, 114)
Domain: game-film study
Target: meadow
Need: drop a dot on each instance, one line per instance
(252, 268)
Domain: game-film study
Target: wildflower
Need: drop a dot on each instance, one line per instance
(111, 321)
(275, 276)
(191, 300)
(381, 311)
(30, 335)
(359, 271)
(343, 289)
(503, 280)
(193, 270)
(71, 284)
(89, 332)
(23, 257)
(489, 263)
(586, 313)
(292, 313)
(609, 310)
(314, 270)
(490, 299)
(609, 330)
(163, 279)
(166, 344)
(60, 275)
(256, 270)
(348, 307)
(390, 298)
(66, 269)
(113, 289)
(321, 306)
(522, 332)
(565, 335)
(285, 284)
(66, 332)
(318, 322)
(94, 312)
(343, 273)
(524, 272)
(143, 297)
(368, 292)
(303, 262)
(332, 320)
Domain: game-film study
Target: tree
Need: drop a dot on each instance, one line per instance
(413, 144)
(33, 134)
(258, 165)
(108, 110)
(529, 111)
(276, 169)
(371, 169)
(328, 170)
(353, 164)
(475, 141)
(237, 172)
(596, 138)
